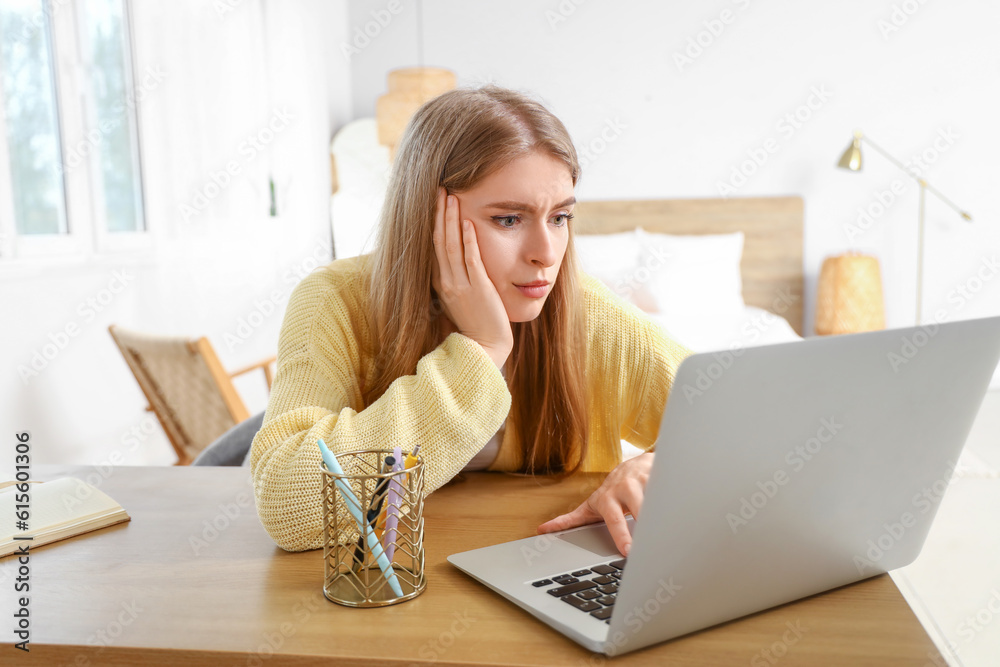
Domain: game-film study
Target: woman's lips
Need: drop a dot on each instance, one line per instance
(534, 290)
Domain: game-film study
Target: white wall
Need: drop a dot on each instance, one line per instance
(223, 268)
(599, 65)
(685, 126)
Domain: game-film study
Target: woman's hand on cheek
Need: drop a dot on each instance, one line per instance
(468, 296)
(620, 494)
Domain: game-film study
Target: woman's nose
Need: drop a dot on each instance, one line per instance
(542, 246)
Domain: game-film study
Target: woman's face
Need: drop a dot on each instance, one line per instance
(521, 214)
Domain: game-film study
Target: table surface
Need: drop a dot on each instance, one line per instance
(194, 577)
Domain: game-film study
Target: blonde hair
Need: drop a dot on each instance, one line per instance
(456, 140)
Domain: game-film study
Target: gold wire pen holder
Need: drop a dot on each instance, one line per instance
(353, 573)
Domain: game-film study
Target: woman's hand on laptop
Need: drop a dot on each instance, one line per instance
(620, 494)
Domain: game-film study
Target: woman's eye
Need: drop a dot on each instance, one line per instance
(502, 220)
(563, 219)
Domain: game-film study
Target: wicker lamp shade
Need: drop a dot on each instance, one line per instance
(408, 89)
(850, 295)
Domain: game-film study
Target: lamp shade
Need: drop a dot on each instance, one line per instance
(408, 89)
(851, 159)
(850, 295)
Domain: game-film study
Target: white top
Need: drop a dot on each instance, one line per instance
(486, 455)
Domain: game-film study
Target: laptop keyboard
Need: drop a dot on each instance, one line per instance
(592, 590)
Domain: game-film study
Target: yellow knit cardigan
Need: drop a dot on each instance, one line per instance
(452, 406)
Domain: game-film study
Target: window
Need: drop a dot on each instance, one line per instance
(70, 178)
(112, 115)
(32, 121)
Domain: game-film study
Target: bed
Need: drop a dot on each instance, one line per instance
(732, 275)
(715, 273)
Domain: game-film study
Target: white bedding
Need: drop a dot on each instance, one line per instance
(643, 269)
(754, 326)
(751, 327)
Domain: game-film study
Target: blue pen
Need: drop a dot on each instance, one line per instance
(354, 507)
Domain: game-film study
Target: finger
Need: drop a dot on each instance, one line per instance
(581, 516)
(615, 520)
(473, 261)
(454, 245)
(630, 496)
(444, 266)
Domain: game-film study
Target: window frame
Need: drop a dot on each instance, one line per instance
(87, 232)
(7, 222)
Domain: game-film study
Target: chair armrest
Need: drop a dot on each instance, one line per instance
(265, 365)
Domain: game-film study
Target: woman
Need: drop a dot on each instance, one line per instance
(469, 330)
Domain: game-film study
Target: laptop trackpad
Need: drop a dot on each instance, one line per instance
(595, 538)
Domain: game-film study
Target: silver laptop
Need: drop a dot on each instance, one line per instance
(781, 471)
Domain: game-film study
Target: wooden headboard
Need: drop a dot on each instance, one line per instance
(772, 226)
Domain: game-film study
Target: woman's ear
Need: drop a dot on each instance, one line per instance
(435, 276)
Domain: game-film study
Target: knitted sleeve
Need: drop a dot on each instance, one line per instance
(632, 366)
(453, 404)
(653, 380)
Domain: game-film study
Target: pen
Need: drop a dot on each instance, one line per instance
(378, 497)
(354, 507)
(411, 458)
(397, 465)
(392, 512)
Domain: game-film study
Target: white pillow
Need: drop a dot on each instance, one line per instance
(613, 259)
(691, 275)
(708, 333)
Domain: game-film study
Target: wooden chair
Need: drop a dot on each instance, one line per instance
(187, 388)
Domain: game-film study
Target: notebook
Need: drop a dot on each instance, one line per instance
(56, 510)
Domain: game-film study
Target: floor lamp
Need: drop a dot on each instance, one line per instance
(851, 160)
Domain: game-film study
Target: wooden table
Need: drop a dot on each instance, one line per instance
(193, 580)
